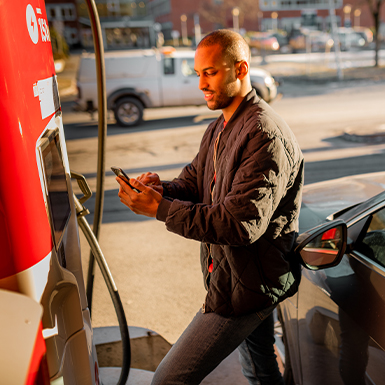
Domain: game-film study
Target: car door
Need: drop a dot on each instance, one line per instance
(341, 311)
(170, 83)
(180, 84)
(189, 84)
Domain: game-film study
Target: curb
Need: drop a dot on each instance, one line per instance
(371, 135)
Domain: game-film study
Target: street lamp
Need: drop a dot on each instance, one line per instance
(183, 21)
(260, 17)
(347, 10)
(197, 29)
(357, 14)
(274, 16)
(235, 12)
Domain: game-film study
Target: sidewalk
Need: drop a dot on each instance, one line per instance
(306, 74)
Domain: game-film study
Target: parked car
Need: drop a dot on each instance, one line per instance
(262, 41)
(283, 41)
(365, 33)
(333, 328)
(138, 79)
(297, 40)
(314, 40)
(349, 39)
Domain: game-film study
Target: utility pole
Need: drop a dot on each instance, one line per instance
(336, 40)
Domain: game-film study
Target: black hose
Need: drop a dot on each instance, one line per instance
(97, 252)
(92, 236)
(112, 289)
(102, 135)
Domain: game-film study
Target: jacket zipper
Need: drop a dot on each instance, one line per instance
(208, 264)
(212, 188)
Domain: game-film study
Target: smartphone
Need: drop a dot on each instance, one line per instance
(120, 173)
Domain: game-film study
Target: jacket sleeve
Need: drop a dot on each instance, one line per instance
(185, 186)
(255, 189)
(188, 186)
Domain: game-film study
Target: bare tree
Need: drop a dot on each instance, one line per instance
(375, 9)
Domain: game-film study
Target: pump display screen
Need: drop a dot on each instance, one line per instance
(56, 184)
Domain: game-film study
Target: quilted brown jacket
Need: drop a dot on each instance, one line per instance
(250, 223)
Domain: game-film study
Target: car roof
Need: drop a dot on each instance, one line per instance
(336, 197)
(171, 52)
(360, 209)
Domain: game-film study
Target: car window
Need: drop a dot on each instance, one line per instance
(188, 67)
(372, 243)
(169, 66)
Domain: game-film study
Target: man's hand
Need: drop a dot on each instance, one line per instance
(152, 180)
(144, 203)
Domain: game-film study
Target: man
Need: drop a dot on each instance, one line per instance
(240, 197)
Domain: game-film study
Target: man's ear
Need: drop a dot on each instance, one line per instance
(242, 69)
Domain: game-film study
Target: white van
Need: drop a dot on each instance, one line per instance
(139, 79)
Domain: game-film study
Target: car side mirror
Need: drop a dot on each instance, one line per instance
(323, 246)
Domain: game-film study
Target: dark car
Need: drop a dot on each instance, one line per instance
(283, 41)
(333, 328)
(262, 41)
(365, 33)
(349, 39)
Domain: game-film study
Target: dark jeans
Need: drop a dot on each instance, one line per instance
(210, 338)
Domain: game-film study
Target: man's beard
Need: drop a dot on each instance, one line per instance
(223, 99)
(220, 102)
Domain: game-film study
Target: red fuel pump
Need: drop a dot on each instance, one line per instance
(45, 325)
(46, 331)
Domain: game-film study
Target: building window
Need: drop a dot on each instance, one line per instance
(71, 35)
(64, 12)
(160, 7)
(169, 66)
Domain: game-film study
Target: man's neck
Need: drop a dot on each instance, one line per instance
(228, 112)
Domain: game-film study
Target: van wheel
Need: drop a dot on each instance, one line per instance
(128, 112)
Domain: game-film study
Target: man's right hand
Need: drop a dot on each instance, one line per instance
(151, 180)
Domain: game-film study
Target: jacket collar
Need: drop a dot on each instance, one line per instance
(249, 99)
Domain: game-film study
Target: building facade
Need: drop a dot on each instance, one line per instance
(125, 23)
(147, 23)
(258, 15)
(181, 17)
(63, 17)
(289, 14)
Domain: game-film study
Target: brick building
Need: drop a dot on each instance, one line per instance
(125, 23)
(137, 23)
(184, 15)
(256, 15)
(287, 14)
(63, 16)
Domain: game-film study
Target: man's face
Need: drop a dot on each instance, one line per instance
(217, 77)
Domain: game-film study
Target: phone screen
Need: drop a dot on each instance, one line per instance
(120, 173)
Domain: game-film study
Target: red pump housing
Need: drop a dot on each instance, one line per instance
(40, 265)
